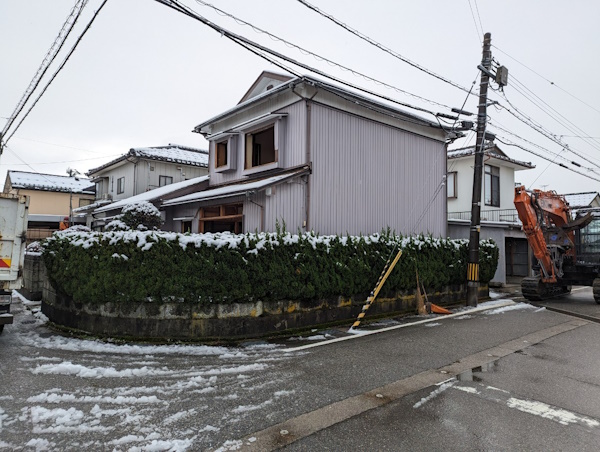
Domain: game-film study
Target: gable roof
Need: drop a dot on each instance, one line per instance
(154, 194)
(50, 182)
(173, 153)
(584, 199)
(266, 81)
(491, 150)
(352, 95)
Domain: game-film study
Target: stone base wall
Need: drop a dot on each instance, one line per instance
(188, 321)
(34, 273)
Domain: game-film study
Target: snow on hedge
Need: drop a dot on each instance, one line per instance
(252, 241)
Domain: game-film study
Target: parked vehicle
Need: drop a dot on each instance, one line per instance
(13, 230)
(551, 231)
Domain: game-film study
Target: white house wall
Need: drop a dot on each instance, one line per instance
(464, 190)
(126, 171)
(368, 176)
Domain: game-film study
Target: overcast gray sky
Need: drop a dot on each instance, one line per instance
(145, 75)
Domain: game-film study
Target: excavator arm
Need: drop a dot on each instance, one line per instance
(531, 217)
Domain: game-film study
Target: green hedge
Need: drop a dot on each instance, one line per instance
(163, 266)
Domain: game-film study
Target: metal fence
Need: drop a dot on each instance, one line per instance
(504, 215)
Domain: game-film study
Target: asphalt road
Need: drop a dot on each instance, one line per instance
(580, 302)
(518, 378)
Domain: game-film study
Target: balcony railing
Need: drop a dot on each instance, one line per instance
(497, 216)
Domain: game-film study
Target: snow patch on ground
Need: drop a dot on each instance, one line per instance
(435, 393)
(514, 307)
(559, 415)
(429, 325)
(463, 317)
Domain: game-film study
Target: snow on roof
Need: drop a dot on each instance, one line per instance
(173, 153)
(348, 93)
(151, 195)
(233, 190)
(50, 182)
(490, 150)
(581, 199)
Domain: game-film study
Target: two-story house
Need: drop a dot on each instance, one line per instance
(499, 219)
(314, 156)
(139, 171)
(143, 169)
(51, 198)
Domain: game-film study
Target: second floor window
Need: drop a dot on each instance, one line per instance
(492, 186)
(164, 180)
(120, 185)
(221, 154)
(451, 184)
(260, 147)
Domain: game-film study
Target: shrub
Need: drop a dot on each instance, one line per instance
(163, 266)
(141, 215)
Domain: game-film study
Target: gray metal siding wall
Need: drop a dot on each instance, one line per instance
(252, 213)
(368, 176)
(286, 205)
(293, 151)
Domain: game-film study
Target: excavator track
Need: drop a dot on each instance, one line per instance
(596, 289)
(534, 289)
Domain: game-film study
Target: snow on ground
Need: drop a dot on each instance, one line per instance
(514, 307)
(73, 394)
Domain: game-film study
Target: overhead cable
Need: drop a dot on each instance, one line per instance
(57, 45)
(381, 46)
(319, 57)
(546, 79)
(58, 70)
(174, 4)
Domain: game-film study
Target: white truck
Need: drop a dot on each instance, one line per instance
(13, 229)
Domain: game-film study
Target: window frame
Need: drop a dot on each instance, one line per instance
(161, 177)
(491, 185)
(249, 154)
(454, 184)
(121, 185)
(230, 140)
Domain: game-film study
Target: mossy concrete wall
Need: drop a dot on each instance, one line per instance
(188, 321)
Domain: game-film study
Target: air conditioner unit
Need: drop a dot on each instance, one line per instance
(106, 197)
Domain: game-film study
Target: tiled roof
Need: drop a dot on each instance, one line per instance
(580, 199)
(50, 182)
(489, 151)
(173, 153)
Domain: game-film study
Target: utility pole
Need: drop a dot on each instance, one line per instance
(473, 265)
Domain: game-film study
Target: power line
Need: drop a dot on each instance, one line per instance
(508, 143)
(548, 80)
(477, 30)
(381, 46)
(57, 162)
(260, 50)
(58, 70)
(57, 45)
(319, 57)
(567, 124)
(538, 128)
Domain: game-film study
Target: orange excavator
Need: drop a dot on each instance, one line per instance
(550, 230)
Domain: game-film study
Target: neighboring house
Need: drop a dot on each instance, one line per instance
(51, 198)
(143, 169)
(99, 214)
(499, 219)
(583, 200)
(313, 156)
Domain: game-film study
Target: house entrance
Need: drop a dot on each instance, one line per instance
(517, 257)
(223, 218)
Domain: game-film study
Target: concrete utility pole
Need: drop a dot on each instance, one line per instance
(473, 265)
